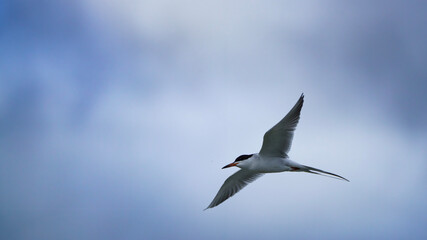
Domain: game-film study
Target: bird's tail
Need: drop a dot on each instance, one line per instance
(318, 172)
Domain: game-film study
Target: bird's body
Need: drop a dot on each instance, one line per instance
(267, 164)
(273, 157)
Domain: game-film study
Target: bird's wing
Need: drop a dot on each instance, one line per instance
(278, 140)
(233, 184)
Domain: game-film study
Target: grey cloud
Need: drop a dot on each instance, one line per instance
(116, 119)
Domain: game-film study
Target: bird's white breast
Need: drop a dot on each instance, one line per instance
(267, 164)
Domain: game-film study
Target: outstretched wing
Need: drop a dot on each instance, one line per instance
(278, 140)
(233, 184)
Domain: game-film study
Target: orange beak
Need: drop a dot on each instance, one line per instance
(230, 165)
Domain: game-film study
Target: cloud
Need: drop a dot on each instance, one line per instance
(116, 118)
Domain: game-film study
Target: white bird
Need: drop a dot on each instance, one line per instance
(273, 157)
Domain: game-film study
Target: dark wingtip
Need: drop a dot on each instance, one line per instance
(301, 98)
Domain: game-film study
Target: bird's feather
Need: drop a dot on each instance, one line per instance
(278, 140)
(233, 184)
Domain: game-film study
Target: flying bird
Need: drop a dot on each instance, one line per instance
(273, 157)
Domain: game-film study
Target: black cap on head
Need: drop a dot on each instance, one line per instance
(243, 157)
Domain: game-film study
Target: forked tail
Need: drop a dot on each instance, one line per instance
(318, 171)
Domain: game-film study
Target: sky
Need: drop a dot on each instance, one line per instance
(117, 116)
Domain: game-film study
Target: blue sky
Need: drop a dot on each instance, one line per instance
(116, 118)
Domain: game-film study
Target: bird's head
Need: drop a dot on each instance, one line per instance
(241, 160)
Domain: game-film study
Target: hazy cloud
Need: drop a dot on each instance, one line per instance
(117, 117)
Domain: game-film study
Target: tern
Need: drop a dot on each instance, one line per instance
(273, 157)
